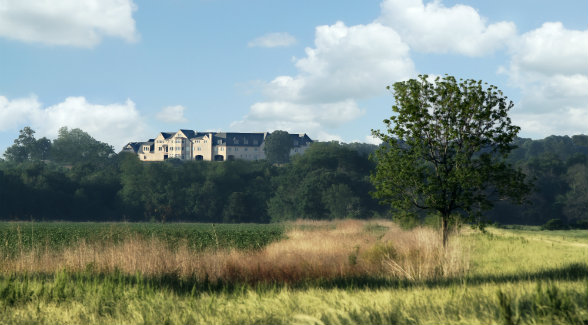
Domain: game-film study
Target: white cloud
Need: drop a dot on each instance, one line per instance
(172, 114)
(550, 50)
(435, 28)
(115, 124)
(273, 40)
(17, 112)
(293, 117)
(346, 64)
(80, 23)
(372, 140)
(549, 65)
(568, 120)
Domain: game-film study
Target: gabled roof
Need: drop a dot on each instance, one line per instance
(188, 133)
(299, 140)
(167, 135)
(143, 144)
(132, 147)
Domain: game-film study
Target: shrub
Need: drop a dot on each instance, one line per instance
(554, 224)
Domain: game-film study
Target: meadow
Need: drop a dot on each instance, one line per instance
(337, 272)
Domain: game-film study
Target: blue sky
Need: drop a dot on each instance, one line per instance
(124, 70)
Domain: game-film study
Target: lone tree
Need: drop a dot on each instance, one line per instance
(277, 147)
(445, 149)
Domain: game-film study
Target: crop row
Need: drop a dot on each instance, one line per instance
(24, 236)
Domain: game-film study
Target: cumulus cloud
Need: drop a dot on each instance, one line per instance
(115, 124)
(434, 28)
(80, 23)
(273, 40)
(293, 117)
(345, 64)
(549, 65)
(172, 114)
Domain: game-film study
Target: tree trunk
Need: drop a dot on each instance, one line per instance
(444, 230)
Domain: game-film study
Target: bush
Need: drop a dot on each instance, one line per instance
(554, 224)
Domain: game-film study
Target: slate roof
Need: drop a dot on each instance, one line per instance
(189, 133)
(235, 139)
(132, 147)
(300, 140)
(167, 135)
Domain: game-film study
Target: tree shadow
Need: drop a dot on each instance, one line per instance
(193, 286)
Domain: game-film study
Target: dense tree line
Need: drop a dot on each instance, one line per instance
(75, 177)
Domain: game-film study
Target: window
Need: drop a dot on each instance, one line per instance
(245, 141)
(219, 141)
(236, 149)
(229, 149)
(222, 149)
(245, 149)
(255, 142)
(255, 149)
(159, 148)
(199, 148)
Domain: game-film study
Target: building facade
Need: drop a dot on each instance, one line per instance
(209, 146)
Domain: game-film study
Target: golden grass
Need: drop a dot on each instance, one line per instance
(311, 251)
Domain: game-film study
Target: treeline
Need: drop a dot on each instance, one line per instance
(75, 177)
(558, 169)
(78, 178)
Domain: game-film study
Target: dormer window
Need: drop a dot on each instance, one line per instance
(236, 140)
(245, 141)
(255, 142)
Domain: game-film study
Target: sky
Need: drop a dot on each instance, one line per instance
(124, 70)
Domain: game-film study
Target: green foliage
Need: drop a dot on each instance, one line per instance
(277, 147)
(74, 146)
(445, 149)
(27, 148)
(331, 180)
(554, 224)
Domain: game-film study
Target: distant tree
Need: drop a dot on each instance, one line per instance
(445, 150)
(27, 148)
(74, 146)
(277, 147)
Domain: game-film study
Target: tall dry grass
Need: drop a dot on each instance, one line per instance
(311, 251)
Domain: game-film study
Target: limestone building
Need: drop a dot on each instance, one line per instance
(210, 146)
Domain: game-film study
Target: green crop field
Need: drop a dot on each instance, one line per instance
(18, 236)
(512, 276)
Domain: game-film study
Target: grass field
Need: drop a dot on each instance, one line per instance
(346, 272)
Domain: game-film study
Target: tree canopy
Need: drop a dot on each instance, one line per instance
(445, 149)
(27, 148)
(75, 145)
(330, 180)
(277, 147)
